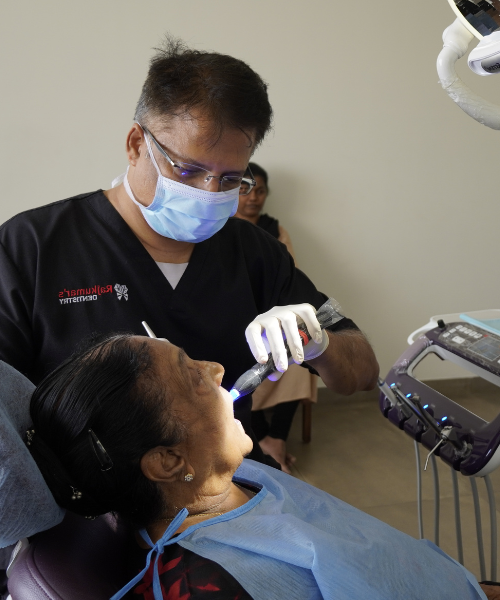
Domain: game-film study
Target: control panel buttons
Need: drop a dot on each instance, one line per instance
(473, 344)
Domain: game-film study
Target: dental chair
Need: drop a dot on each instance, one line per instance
(67, 557)
(76, 560)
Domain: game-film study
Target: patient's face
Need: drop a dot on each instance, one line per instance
(215, 438)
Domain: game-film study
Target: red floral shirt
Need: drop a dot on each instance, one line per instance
(185, 576)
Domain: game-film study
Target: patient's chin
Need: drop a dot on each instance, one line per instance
(250, 446)
(247, 444)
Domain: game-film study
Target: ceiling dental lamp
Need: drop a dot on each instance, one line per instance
(480, 19)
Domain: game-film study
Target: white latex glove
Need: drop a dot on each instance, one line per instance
(281, 322)
(311, 350)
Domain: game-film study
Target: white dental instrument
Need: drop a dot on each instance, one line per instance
(149, 331)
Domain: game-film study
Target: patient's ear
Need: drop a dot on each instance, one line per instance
(163, 464)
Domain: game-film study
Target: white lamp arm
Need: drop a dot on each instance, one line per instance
(456, 39)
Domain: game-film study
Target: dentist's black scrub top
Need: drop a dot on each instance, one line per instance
(75, 267)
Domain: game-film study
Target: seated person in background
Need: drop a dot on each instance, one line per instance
(297, 383)
(133, 425)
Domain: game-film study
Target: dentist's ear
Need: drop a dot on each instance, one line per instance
(135, 144)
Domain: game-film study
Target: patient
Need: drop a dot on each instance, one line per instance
(133, 425)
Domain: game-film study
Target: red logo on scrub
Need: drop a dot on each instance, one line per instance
(97, 289)
(84, 294)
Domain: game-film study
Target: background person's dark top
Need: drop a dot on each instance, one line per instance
(269, 224)
(60, 263)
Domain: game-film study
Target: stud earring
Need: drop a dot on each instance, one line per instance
(188, 477)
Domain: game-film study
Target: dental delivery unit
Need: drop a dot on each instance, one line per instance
(464, 441)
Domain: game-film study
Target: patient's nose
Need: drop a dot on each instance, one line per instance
(215, 371)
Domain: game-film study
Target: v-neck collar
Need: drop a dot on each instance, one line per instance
(139, 259)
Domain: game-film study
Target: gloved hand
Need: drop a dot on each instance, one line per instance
(265, 334)
(311, 350)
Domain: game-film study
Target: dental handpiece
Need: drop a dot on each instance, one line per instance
(327, 314)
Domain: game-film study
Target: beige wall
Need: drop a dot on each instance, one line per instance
(388, 190)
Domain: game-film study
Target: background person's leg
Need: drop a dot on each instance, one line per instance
(260, 425)
(282, 418)
(274, 443)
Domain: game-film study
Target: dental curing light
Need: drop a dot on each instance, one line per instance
(479, 19)
(234, 394)
(327, 314)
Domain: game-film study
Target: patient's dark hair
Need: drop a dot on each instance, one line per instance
(224, 88)
(110, 388)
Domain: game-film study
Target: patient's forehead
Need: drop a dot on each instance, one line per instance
(170, 365)
(159, 346)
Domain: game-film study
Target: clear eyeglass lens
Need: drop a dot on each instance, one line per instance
(197, 177)
(189, 174)
(229, 183)
(244, 188)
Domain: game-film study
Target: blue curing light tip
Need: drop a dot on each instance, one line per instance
(234, 394)
(426, 406)
(444, 418)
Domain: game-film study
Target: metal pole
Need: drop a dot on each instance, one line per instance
(419, 492)
(435, 476)
(458, 523)
(493, 526)
(479, 529)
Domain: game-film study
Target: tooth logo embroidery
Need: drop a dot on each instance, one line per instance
(121, 291)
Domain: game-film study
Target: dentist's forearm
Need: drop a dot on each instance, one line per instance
(348, 365)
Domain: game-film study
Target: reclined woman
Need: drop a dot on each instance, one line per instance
(134, 426)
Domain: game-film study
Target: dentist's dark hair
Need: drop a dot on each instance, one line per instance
(109, 388)
(223, 88)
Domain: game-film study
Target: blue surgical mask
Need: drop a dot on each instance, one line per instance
(185, 213)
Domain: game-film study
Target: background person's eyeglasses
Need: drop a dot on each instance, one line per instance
(198, 177)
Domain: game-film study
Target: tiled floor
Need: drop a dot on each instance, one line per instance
(358, 456)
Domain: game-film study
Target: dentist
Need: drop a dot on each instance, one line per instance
(160, 246)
